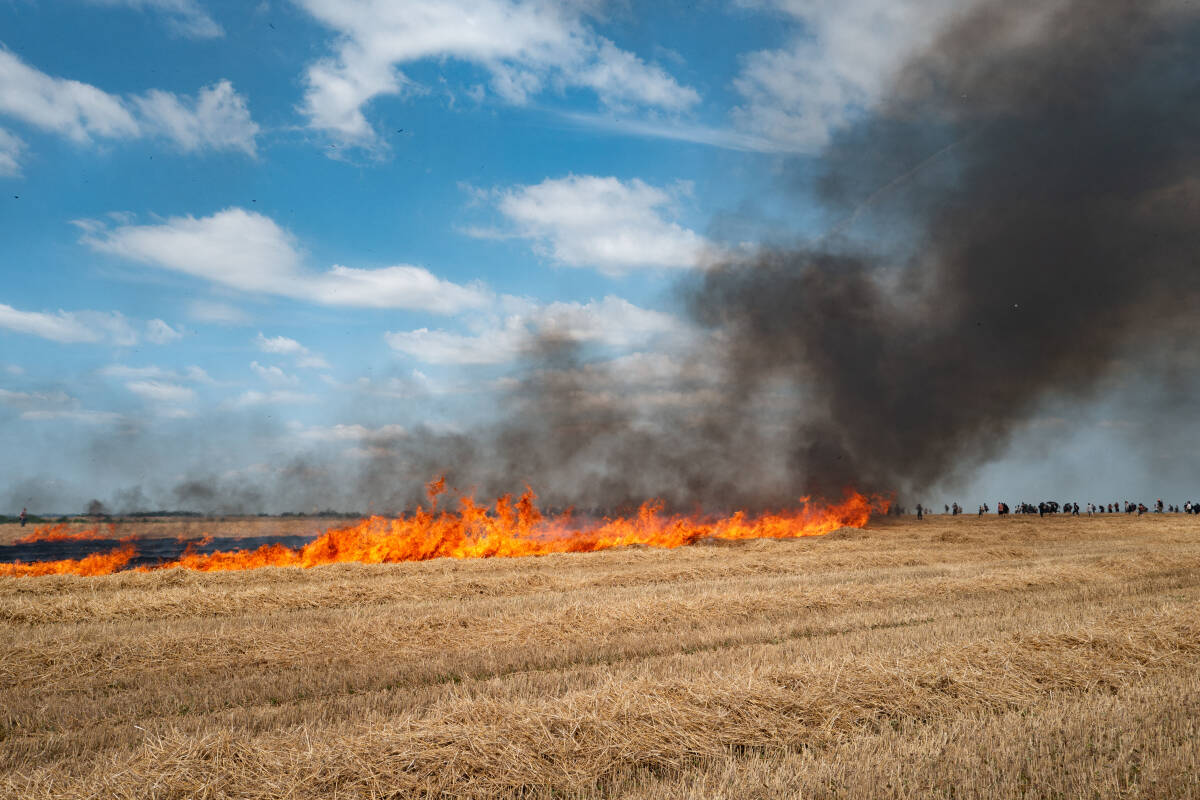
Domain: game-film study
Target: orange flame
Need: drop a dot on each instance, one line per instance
(95, 564)
(60, 533)
(513, 529)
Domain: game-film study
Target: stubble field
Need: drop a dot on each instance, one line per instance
(957, 657)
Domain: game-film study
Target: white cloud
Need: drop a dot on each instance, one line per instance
(56, 405)
(198, 375)
(274, 375)
(282, 345)
(249, 252)
(349, 433)
(217, 118)
(36, 400)
(11, 149)
(612, 322)
(274, 398)
(588, 221)
(161, 391)
(160, 332)
(70, 326)
(121, 371)
(73, 109)
(672, 129)
(89, 417)
(185, 17)
(526, 47)
(217, 313)
(836, 68)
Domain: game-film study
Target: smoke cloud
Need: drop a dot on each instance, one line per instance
(1034, 183)
(1020, 211)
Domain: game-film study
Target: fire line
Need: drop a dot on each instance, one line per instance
(508, 529)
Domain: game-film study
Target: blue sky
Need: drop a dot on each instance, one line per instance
(235, 230)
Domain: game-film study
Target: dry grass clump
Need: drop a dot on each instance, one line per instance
(958, 658)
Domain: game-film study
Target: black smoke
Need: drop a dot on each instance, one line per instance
(1040, 167)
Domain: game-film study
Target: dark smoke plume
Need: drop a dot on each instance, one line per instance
(1059, 217)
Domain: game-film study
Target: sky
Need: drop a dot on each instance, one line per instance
(233, 232)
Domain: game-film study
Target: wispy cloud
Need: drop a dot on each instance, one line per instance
(524, 47)
(160, 332)
(274, 398)
(55, 405)
(70, 326)
(185, 17)
(612, 322)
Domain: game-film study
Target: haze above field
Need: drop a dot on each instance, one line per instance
(301, 255)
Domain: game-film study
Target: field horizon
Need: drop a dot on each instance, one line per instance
(954, 657)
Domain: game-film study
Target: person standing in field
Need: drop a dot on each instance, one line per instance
(23, 515)
(920, 511)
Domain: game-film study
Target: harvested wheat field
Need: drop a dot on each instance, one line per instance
(958, 657)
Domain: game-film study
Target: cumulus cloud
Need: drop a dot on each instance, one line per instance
(70, 327)
(836, 66)
(185, 17)
(274, 375)
(612, 322)
(216, 118)
(525, 47)
(11, 148)
(160, 332)
(248, 251)
(283, 346)
(614, 226)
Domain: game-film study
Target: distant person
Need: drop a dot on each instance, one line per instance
(1158, 507)
(23, 516)
(1074, 509)
(920, 511)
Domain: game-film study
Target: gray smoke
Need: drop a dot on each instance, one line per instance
(1021, 211)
